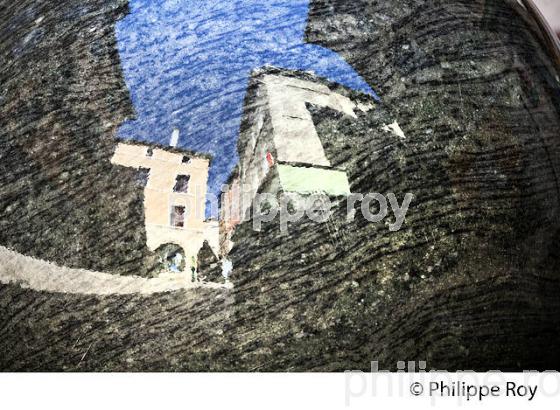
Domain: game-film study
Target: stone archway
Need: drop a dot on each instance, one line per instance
(170, 257)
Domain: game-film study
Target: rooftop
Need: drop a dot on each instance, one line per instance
(167, 148)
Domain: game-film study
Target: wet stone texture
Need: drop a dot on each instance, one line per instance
(63, 97)
(471, 281)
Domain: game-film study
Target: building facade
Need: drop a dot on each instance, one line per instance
(279, 146)
(175, 186)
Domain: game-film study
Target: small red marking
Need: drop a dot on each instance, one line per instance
(269, 159)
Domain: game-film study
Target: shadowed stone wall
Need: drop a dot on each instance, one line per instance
(62, 98)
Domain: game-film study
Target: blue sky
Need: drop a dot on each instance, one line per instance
(187, 64)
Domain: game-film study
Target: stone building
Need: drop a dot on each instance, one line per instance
(175, 185)
(230, 211)
(279, 149)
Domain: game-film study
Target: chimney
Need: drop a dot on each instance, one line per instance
(174, 137)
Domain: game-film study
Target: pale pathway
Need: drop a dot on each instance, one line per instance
(39, 275)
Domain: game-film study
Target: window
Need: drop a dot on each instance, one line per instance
(178, 216)
(186, 159)
(182, 183)
(149, 152)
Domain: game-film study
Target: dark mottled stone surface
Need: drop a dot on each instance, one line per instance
(63, 97)
(470, 282)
